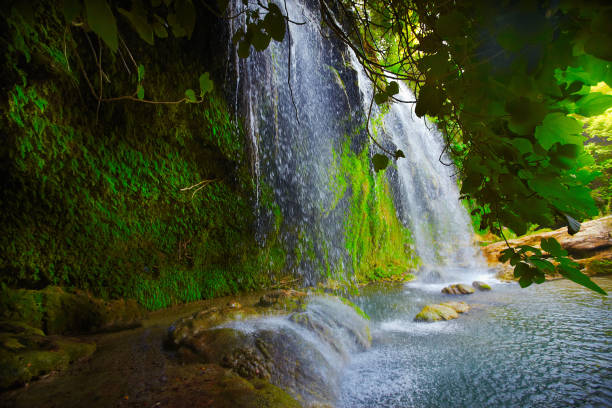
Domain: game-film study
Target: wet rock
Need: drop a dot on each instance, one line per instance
(481, 285)
(459, 307)
(283, 299)
(300, 351)
(442, 311)
(458, 289)
(57, 311)
(26, 353)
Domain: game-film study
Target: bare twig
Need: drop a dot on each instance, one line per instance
(199, 186)
(289, 67)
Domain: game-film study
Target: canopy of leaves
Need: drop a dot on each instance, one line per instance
(506, 82)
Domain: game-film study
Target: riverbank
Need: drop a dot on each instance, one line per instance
(591, 247)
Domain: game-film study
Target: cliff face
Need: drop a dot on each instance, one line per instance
(92, 192)
(591, 247)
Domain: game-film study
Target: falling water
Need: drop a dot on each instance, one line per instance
(429, 201)
(301, 98)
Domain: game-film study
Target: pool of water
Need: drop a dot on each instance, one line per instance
(547, 345)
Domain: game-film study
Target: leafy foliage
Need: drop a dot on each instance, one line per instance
(504, 81)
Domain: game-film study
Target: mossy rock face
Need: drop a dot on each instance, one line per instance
(458, 289)
(57, 311)
(26, 353)
(481, 285)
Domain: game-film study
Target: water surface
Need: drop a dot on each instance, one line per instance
(544, 346)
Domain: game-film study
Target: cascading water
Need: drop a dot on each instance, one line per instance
(297, 111)
(301, 99)
(428, 195)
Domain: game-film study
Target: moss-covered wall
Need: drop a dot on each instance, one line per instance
(377, 242)
(92, 194)
(93, 191)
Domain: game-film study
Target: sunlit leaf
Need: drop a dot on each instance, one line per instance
(558, 128)
(206, 85)
(594, 104)
(190, 95)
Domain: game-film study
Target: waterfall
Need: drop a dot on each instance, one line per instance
(301, 99)
(428, 193)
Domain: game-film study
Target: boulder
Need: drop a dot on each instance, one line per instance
(58, 311)
(481, 285)
(26, 353)
(442, 311)
(458, 289)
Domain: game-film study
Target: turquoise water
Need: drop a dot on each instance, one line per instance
(547, 345)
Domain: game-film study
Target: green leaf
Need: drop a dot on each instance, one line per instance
(392, 88)
(429, 44)
(399, 153)
(552, 246)
(206, 85)
(222, 5)
(244, 49)
(101, 20)
(593, 104)
(190, 95)
(177, 29)
(274, 22)
(380, 98)
(599, 45)
(525, 281)
(138, 19)
(558, 127)
(380, 162)
(260, 40)
(71, 9)
(141, 72)
(429, 101)
(541, 264)
(160, 30)
(525, 115)
(451, 25)
(140, 92)
(185, 15)
(580, 278)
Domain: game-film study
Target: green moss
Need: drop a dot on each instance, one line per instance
(378, 244)
(94, 198)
